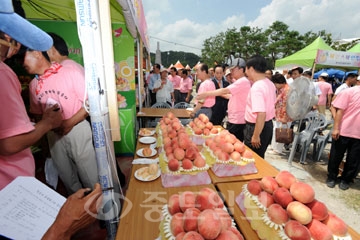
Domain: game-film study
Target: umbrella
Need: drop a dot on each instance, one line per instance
(333, 73)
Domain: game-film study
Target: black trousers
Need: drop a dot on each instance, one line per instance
(265, 137)
(236, 129)
(337, 151)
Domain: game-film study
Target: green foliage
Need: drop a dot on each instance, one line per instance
(275, 42)
(171, 57)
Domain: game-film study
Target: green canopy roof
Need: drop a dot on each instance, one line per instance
(63, 10)
(355, 49)
(303, 58)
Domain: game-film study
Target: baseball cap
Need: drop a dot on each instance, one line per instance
(237, 62)
(324, 74)
(358, 78)
(227, 72)
(162, 69)
(22, 30)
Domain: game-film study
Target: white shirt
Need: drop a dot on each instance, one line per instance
(340, 88)
(164, 94)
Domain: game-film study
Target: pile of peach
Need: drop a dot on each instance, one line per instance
(202, 126)
(180, 151)
(200, 216)
(226, 146)
(292, 204)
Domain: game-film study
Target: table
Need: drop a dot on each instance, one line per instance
(229, 191)
(160, 112)
(141, 213)
(264, 169)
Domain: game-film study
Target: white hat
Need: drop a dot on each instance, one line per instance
(162, 69)
(324, 74)
(21, 30)
(358, 78)
(227, 72)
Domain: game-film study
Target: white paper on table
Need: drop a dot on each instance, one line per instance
(28, 208)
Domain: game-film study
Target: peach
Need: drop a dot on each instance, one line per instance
(187, 164)
(180, 236)
(265, 198)
(214, 131)
(282, 196)
(190, 219)
(201, 125)
(237, 233)
(186, 200)
(296, 231)
(254, 187)
(206, 131)
(192, 235)
(146, 151)
(208, 141)
(239, 146)
(299, 212)
(226, 221)
(277, 214)
(236, 156)
(166, 140)
(176, 125)
(319, 231)
(318, 209)
(184, 143)
(209, 224)
(190, 152)
(227, 235)
(203, 118)
(172, 134)
(247, 154)
(285, 179)
(170, 115)
(173, 165)
(302, 192)
(173, 204)
(179, 153)
(209, 125)
(228, 147)
(197, 131)
(168, 150)
(269, 184)
(199, 162)
(336, 225)
(176, 224)
(208, 199)
(223, 156)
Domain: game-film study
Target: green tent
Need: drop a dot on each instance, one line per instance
(303, 58)
(355, 49)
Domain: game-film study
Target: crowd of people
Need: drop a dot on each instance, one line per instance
(250, 100)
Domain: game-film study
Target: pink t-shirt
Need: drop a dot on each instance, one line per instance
(185, 85)
(175, 81)
(349, 101)
(66, 87)
(13, 121)
(237, 103)
(206, 86)
(261, 98)
(326, 89)
(72, 63)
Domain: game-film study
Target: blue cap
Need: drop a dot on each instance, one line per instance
(22, 30)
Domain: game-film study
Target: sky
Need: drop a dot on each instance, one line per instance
(184, 25)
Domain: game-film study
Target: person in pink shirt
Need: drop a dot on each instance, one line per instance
(204, 105)
(175, 79)
(186, 85)
(326, 93)
(346, 137)
(260, 107)
(237, 94)
(71, 145)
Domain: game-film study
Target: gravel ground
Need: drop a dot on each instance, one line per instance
(345, 204)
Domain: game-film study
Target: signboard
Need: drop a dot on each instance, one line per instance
(337, 58)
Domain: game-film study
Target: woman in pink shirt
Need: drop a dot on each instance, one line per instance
(326, 93)
(204, 106)
(260, 107)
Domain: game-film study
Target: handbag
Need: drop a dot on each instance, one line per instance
(284, 135)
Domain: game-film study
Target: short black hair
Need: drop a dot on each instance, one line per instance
(278, 78)
(205, 68)
(258, 62)
(351, 75)
(308, 73)
(59, 44)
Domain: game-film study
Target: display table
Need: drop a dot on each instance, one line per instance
(229, 191)
(160, 112)
(141, 212)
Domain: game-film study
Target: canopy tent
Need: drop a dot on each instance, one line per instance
(178, 65)
(187, 67)
(196, 66)
(64, 10)
(355, 49)
(303, 58)
(333, 73)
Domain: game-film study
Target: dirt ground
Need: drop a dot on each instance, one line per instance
(345, 204)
